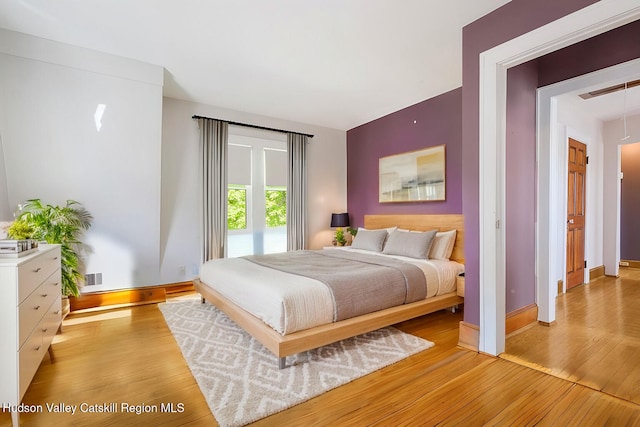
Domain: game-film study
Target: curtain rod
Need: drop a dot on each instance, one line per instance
(252, 126)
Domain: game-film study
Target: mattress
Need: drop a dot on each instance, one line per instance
(291, 302)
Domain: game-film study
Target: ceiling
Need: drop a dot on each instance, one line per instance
(330, 63)
(607, 107)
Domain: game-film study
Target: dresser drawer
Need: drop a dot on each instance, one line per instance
(35, 307)
(33, 272)
(29, 358)
(52, 285)
(51, 322)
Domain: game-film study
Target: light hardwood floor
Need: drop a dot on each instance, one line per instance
(595, 341)
(129, 356)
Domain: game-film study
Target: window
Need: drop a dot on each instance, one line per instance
(275, 237)
(237, 209)
(275, 200)
(257, 194)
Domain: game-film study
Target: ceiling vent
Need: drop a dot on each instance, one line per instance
(610, 89)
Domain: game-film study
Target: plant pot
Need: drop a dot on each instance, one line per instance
(66, 306)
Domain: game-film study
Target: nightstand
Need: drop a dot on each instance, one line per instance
(460, 286)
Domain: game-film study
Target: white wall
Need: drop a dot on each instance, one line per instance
(581, 127)
(53, 150)
(138, 174)
(5, 209)
(612, 134)
(180, 241)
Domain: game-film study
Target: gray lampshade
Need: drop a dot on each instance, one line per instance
(340, 219)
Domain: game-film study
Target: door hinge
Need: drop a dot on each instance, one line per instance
(585, 263)
(587, 159)
(497, 224)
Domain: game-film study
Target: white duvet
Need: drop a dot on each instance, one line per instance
(289, 302)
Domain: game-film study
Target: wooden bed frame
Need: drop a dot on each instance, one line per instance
(287, 345)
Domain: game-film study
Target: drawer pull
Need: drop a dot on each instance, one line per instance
(56, 312)
(37, 270)
(44, 329)
(37, 348)
(37, 307)
(55, 258)
(56, 284)
(44, 295)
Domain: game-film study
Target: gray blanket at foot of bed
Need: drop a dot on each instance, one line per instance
(359, 283)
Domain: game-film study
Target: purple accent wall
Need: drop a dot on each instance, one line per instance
(437, 121)
(630, 202)
(505, 23)
(521, 185)
(611, 48)
(365, 144)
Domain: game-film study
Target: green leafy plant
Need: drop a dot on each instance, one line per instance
(20, 230)
(61, 225)
(340, 239)
(353, 231)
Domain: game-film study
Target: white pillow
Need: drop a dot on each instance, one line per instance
(388, 229)
(370, 240)
(442, 245)
(413, 245)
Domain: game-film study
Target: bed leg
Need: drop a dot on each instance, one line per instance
(282, 362)
(202, 300)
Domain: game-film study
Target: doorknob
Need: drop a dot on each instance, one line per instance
(570, 221)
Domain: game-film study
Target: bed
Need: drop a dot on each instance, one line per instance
(294, 337)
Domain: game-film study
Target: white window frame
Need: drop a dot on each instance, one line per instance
(258, 141)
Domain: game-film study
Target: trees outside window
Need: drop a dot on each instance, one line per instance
(237, 208)
(276, 206)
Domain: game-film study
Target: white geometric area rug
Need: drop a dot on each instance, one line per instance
(240, 378)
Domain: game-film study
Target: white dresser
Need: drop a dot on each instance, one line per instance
(30, 316)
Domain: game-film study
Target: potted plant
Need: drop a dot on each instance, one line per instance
(61, 225)
(353, 231)
(341, 240)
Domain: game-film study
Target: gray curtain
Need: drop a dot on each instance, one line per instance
(297, 192)
(213, 167)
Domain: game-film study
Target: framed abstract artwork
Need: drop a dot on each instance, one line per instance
(415, 176)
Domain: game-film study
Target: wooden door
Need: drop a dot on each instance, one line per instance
(575, 213)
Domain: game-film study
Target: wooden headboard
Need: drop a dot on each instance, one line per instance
(423, 223)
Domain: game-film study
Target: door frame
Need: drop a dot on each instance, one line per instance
(553, 135)
(580, 25)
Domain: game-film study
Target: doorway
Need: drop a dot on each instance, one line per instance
(587, 22)
(553, 136)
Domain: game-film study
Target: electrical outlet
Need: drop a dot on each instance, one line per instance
(624, 264)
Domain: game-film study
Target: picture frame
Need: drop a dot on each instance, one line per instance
(414, 176)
